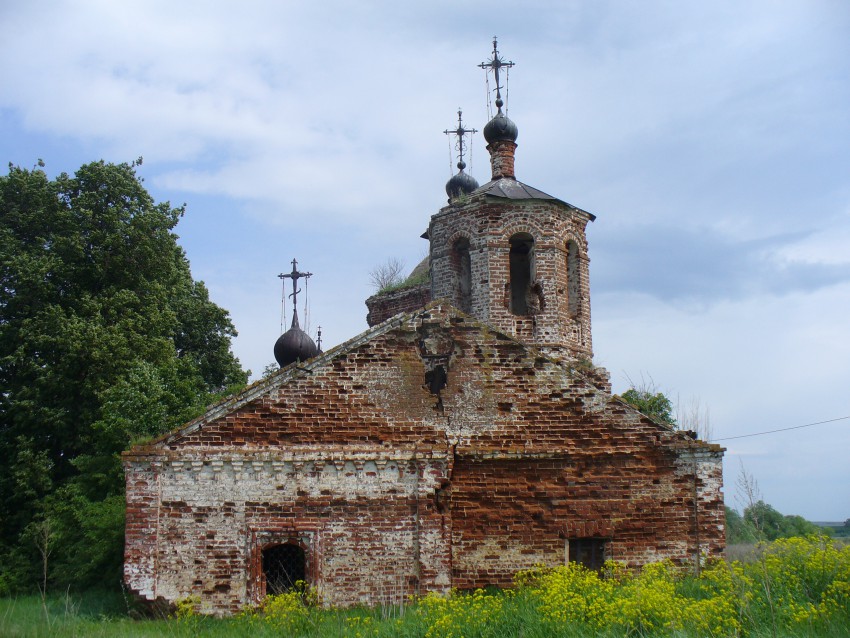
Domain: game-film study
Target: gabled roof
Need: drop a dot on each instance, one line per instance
(296, 371)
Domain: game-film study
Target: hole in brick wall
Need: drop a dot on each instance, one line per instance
(441, 498)
(436, 379)
(283, 566)
(536, 299)
(505, 406)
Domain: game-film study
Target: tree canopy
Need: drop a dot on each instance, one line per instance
(762, 522)
(651, 403)
(105, 339)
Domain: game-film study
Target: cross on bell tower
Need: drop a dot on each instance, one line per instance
(509, 254)
(500, 132)
(462, 183)
(460, 131)
(495, 64)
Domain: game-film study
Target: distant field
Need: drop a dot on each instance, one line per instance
(838, 528)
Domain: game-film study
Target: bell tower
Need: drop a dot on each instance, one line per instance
(511, 255)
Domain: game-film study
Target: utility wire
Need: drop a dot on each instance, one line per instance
(796, 427)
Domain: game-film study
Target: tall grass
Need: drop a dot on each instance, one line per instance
(792, 587)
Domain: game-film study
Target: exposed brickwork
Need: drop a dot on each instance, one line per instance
(385, 305)
(502, 158)
(488, 223)
(438, 449)
(395, 484)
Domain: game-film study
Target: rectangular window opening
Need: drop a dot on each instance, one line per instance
(590, 552)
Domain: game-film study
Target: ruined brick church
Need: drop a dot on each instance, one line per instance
(466, 435)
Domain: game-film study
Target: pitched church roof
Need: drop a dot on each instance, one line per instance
(407, 325)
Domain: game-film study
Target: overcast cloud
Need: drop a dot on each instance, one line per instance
(712, 141)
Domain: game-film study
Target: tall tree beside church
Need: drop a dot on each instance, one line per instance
(104, 339)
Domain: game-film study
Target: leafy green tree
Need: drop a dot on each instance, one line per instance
(651, 403)
(104, 339)
(737, 529)
(771, 524)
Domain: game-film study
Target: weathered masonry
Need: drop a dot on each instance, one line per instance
(452, 444)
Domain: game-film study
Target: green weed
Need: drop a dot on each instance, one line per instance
(796, 587)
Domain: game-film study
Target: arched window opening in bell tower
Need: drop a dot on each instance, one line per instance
(573, 279)
(521, 262)
(462, 264)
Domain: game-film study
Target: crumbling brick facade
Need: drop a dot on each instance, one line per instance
(557, 318)
(396, 484)
(448, 446)
(384, 305)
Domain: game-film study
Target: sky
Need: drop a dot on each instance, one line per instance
(710, 139)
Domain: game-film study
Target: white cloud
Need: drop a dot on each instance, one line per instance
(709, 138)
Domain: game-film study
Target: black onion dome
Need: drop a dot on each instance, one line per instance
(294, 345)
(500, 127)
(460, 184)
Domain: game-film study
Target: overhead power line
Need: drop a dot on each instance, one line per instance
(796, 427)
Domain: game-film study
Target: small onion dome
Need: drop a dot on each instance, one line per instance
(460, 184)
(500, 128)
(294, 345)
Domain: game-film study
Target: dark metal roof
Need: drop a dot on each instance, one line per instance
(500, 128)
(512, 189)
(507, 188)
(460, 184)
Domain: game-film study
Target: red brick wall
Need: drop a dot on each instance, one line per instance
(396, 485)
(385, 305)
(514, 513)
(488, 224)
(502, 158)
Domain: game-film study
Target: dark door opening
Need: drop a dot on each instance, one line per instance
(283, 566)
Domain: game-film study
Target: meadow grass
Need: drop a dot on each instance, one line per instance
(790, 588)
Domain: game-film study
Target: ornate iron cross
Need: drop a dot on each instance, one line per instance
(460, 131)
(295, 276)
(495, 64)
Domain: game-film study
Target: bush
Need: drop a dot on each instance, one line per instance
(793, 584)
(288, 614)
(796, 587)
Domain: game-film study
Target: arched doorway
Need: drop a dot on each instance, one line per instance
(283, 566)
